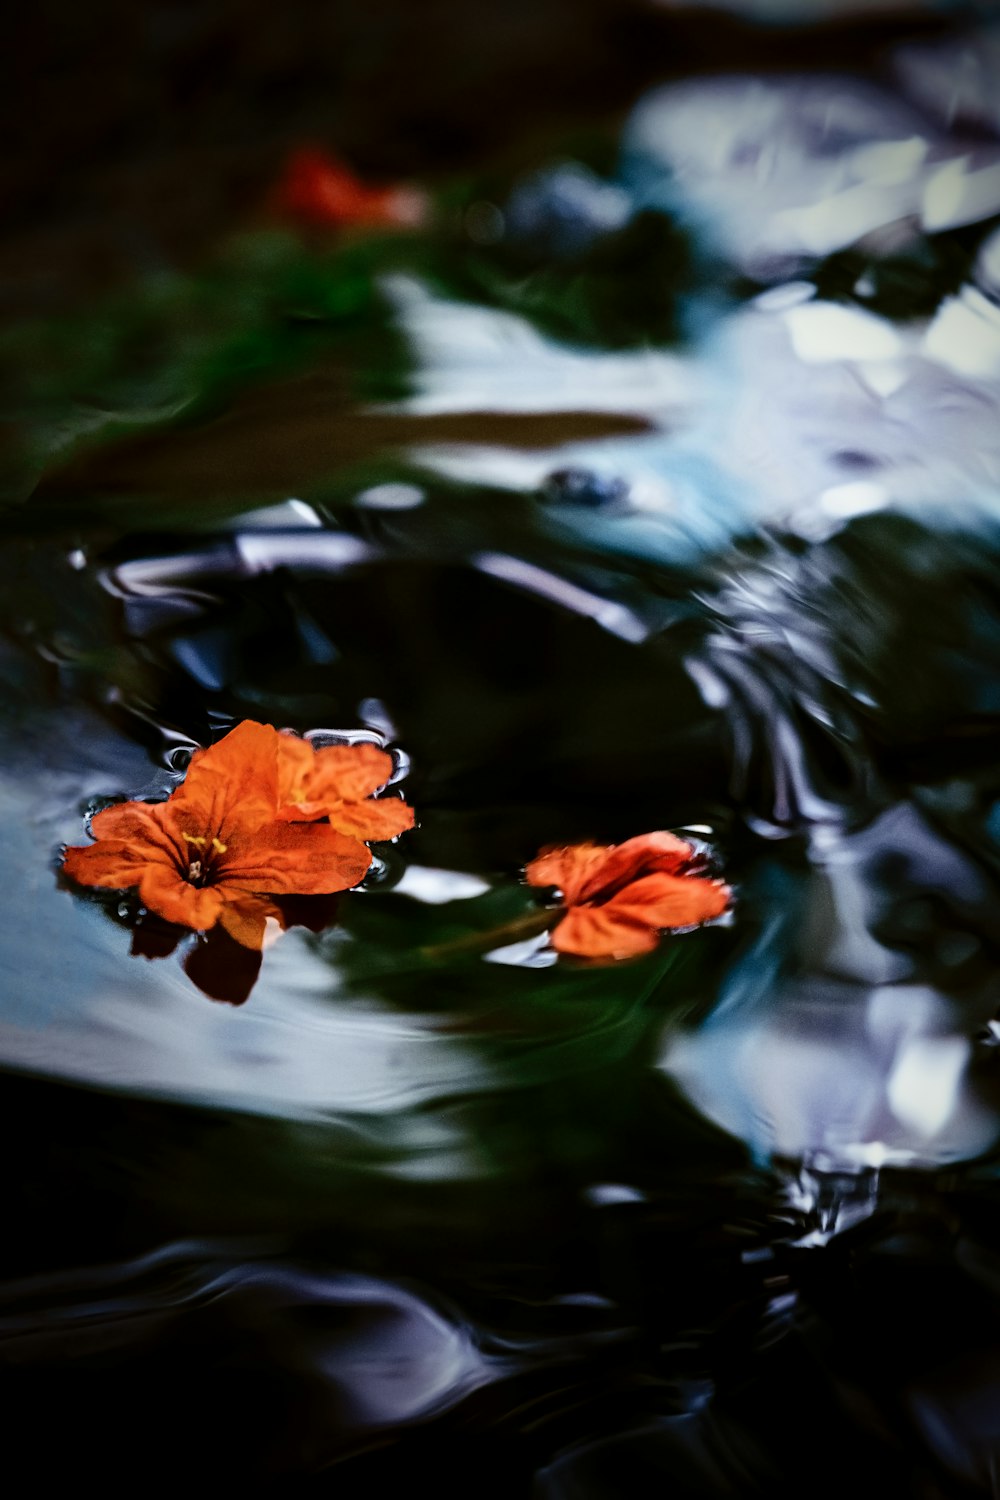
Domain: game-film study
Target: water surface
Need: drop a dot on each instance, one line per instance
(647, 485)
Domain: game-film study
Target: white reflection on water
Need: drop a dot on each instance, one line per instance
(914, 409)
(779, 171)
(786, 405)
(825, 331)
(436, 887)
(777, 168)
(779, 408)
(857, 1077)
(965, 336)
(472, 358)
(828, 1041)
(615, 618)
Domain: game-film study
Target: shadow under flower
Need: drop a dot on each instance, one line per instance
(221, 968)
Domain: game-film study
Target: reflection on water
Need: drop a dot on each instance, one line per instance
(679, 512)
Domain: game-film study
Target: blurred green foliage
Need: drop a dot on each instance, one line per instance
(177, 347)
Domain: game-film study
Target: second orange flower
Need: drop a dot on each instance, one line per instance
(617, 899)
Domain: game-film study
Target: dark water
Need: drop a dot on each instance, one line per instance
(651, 483)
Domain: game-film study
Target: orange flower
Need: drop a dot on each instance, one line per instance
(222, 844)
(317, 190)
(619, 898)
(337, 783)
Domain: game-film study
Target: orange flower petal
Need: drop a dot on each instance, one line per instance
(149, 827)
(296, 763)
(165, 891)
(568, 869)
(316, 784)
(632, 860)
(619, 899)
(302, 812)
(245, 917)
(347, 773)
(665, 901)
(130, 836)
(232, 786)
(371, 819)
(111, 865)
(293, 859)
(597, 932)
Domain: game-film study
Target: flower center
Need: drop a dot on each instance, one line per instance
(200, 858)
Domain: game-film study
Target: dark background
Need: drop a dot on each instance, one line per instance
(136, 134)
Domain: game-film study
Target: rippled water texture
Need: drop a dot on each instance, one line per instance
(644, 474)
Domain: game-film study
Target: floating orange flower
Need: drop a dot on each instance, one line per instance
(319, 191)
(618, 898)
(224, 843)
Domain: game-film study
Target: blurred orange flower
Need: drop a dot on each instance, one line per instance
(619, 898)
(226, 841)
(319, 191)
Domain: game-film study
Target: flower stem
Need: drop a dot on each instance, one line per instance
(527, 926)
